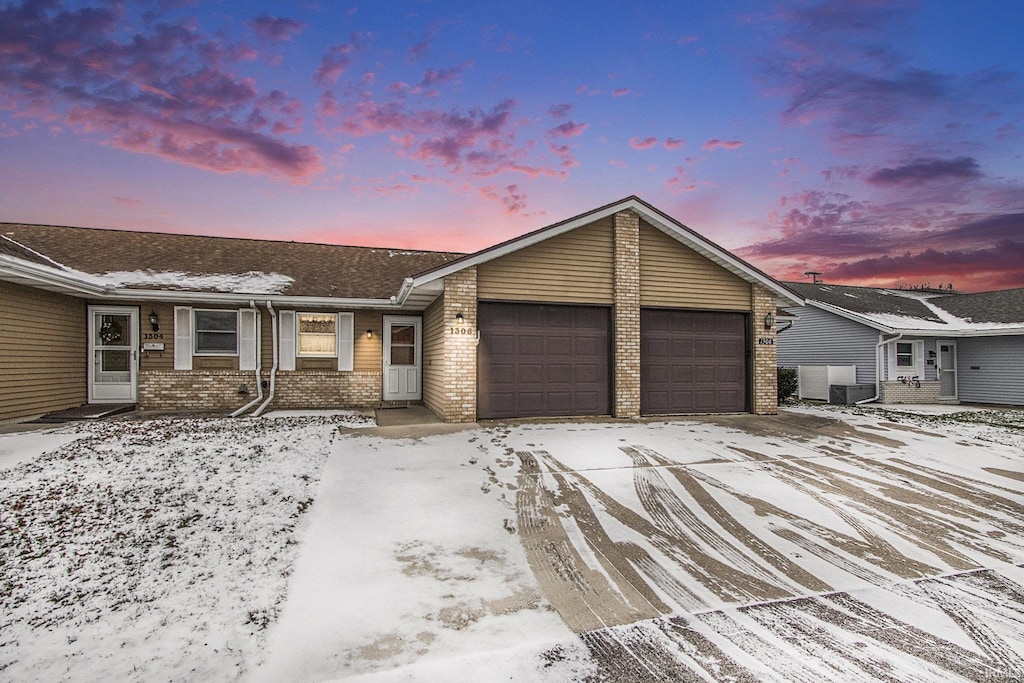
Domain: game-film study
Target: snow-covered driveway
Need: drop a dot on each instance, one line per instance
(818, 545)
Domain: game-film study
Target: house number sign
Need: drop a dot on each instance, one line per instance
(765, 341)
(462, 330)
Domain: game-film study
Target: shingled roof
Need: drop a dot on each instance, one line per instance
(921, 311)
(161, 261)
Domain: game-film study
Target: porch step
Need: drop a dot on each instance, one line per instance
(94, 411)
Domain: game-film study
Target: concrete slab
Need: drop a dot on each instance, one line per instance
(406, 415)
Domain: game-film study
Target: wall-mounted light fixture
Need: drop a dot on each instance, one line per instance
(154, 321)
(369, 334)
(459, 318)
(769, 321)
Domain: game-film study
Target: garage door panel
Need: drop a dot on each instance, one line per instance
(692, 361)
(560, 359)
(558, 345)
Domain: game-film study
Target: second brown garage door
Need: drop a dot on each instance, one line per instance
(539, 360)
(692, 362)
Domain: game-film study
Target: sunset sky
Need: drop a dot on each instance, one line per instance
(879, 142)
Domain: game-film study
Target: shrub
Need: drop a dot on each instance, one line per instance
(787, 383)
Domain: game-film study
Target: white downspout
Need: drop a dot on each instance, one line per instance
(259, 360)
(273, 369)
(879, 362)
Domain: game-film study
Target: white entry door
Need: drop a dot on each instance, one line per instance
(946, 369)
(402, 357)
(113, 354)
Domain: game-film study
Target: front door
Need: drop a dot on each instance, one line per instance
(113, 354)
(947, 369)
(402, 353)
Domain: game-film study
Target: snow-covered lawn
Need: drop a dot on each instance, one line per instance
(823, 544)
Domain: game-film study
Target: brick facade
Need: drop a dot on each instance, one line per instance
(765, 364)
(218, 390)
(626, 315)
(898, 392)
(458, 393)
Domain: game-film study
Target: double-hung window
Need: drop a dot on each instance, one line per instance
(905, 356)
(317, 334)
(216, 332)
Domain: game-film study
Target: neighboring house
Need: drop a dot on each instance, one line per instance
(946, 347)
(620, 311)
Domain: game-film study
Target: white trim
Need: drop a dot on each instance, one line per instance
(182, 338)
(195, 333)
(288, 346)
(939, 369)
(667, 225)
(247, 335)
(917, 351)
(402, 382)
(117, 392)
(346, 341)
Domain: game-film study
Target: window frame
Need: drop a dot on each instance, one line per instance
(298, 335)
(911, 354)
(196, 331)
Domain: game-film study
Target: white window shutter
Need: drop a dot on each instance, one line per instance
(286, 335)
(890, 360)
(247, 339)
(182, 338)
(346, 340)
(919, 358)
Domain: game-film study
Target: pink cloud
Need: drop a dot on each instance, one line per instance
(510, 196)
(673, 144)
(715, 143)
(680, 182)
(646, 143)
(336, 60)
(620, 92)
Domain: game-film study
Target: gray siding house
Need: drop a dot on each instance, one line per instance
(913, 346)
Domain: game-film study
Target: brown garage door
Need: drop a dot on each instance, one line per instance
(541, 360)
(692, 362)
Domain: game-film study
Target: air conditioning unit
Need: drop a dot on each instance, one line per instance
(848, 394)
(814, 380)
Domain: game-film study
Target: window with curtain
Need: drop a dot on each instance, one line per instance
(317, 334)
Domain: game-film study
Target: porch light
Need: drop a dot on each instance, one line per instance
(154, 320)
(769, 321)
(459, 318)
(369, 334)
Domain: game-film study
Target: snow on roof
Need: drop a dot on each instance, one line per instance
(253, 282)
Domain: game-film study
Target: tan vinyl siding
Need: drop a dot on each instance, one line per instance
(575, 267)
(433, 356)
(673, 275)
(154, 360)
(43, 349)
(369, 353)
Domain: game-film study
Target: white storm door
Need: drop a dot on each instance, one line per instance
(113, 354)
(402, 357)
(947, 369)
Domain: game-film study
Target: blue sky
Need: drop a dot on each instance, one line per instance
(878, 142)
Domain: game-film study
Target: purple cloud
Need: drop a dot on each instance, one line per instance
(275, 28)
(569, 129)
(673, 144)
(166, 90)
(560, 111)
(926, 170)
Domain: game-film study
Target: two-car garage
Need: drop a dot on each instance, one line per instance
(542, 360)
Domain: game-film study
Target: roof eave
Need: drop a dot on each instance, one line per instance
(663, 222)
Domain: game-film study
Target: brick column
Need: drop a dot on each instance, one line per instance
(460, 347)
(626, 315)
(765, 355)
